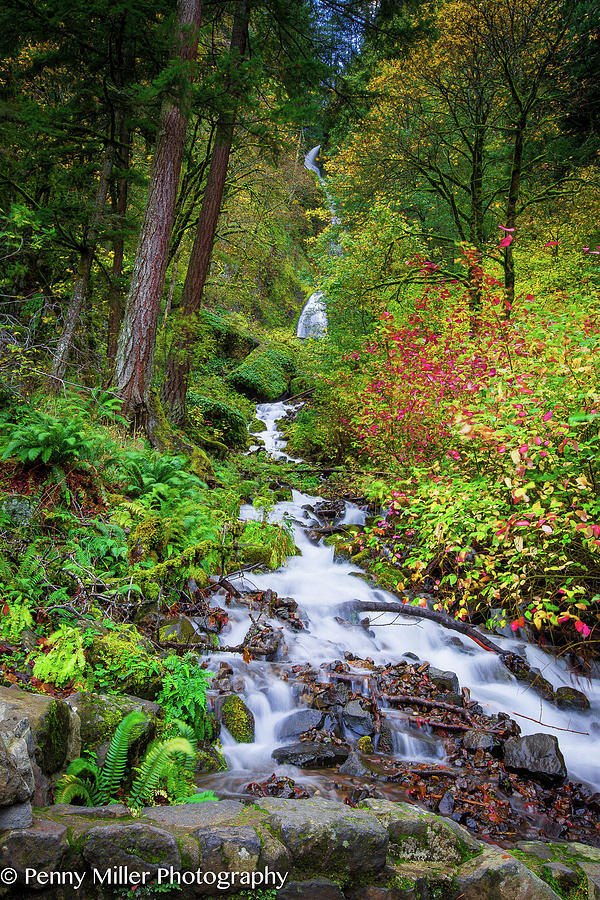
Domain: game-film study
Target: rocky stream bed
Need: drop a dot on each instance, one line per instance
(369, 754)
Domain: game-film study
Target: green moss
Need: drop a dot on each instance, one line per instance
(53, 737)
(265, 374)
(238, 719)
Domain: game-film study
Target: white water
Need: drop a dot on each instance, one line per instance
(319, 585)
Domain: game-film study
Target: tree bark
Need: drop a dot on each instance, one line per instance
(115, 301)
(174, 389)
(137, 340)
(511, 212)
(73, 314)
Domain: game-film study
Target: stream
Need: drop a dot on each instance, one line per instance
(319, 584)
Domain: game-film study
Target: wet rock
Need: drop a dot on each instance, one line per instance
(299, 721)
(311, 755)
(445, 681)
(569, 698)
(525, 673)
(315, 889)
(357, 719)
(476, 740)
(354, 766)
(264, 642)
(328, 511)
(446, 807)
(18, 816)
(335, 695)
(495, 875)
(236, 717)
(536, 755)
(385, 740)
(140, 847)
(41, 846)
(327, 835)
(99, 715)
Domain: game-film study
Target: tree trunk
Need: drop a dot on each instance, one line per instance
(115, 301)
(63, 350)
(174, 389)
(137, 340)
(511, 213)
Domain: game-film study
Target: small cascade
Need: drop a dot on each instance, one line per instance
(319, 585)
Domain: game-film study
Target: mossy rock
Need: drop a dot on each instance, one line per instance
(236, 717)
(232, 342)
(211, 759)
(265, 374)
(100, 714)
(54, 729)
(200, 464)
(124, 656)
(229, 422)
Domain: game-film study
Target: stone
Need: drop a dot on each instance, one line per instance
(476, 740)
(112, 811)
(422, 835)
(569, 698)
(592, 874)
(353, 766)
(536, 755)
(41, 846)
(565, 877)
(54, 727)
(18, 816)
(315, 889)
(311, 755)
(99, 715)
(233, 713)
(327, 836)
(445, 681)
(273, 854)
(299, 721)
(140, 847)
(446, 807)
(234, 849)
(13, 788)
(195, 815)
(384, 742)
(362, 892)
(17, 745)
(497, 875)
(357, 719)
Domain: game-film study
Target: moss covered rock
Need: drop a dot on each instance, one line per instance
(126, 663)
(100, 714)
(227, 423)
(265, 374)
(236, 717)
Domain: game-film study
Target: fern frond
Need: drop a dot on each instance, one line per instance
(113, 769)
(69, 787)
(83, 767)
(155, 767)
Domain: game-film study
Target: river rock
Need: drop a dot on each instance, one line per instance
(99, 715)
(357, 719)
(569, 698)
(445, 681)
(236, 717)
(536, 755)
(476, 740)
(328, 836)
(496, 875)
(311, 755)
(300, 721)
(354, 766)
(264, 642)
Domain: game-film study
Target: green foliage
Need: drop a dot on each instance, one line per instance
(224, 422)
(42, 438)
(66, 660)
(265, 374)
(183, 693)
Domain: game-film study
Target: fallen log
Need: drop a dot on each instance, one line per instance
(430, 704)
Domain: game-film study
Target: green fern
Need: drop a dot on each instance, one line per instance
(113, 770)
(155, 766)
(65, 661)
(71, 787)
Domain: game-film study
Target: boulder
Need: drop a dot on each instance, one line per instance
(299, 721)
(327, 836)
(234, 849)
(13, 787)
(357, 719)
(99, 715)
(315, 889)
(41, 845)
(311, 755)
(536, 755)
(236, 717)
(49, 729)
(140, 847)
(445, 681)
(354, 766)
(479, 740)
(18, 816)
(569, 698)
(195, 815)
(496, 875)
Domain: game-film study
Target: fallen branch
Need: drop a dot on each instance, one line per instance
(429, 704)
(554, 727)
(445, 726)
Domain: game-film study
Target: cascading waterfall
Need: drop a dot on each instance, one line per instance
(319, 585)
(313, 318)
